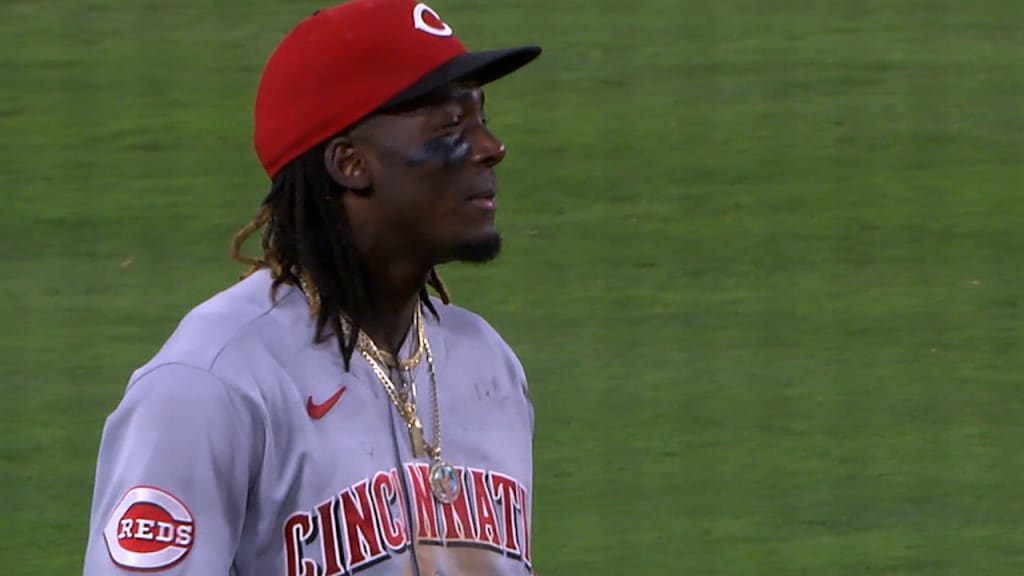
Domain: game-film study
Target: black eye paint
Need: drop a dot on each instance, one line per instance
(450, 150)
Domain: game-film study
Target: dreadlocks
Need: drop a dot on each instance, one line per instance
(307, 242)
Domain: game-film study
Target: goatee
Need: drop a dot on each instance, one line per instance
(479, 250)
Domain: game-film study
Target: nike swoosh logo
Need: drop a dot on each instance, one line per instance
(318, 411)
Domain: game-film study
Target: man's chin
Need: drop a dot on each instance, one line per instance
(478, 250)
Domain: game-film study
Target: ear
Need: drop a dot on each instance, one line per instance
(346, 165)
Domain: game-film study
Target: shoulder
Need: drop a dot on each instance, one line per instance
(464, 328)
(176, 396)
(458, 323)
(459, 320)
(245, 317)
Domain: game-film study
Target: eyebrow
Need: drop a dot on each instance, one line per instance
(464, 92)
(457, 94)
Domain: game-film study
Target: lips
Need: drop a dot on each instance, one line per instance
(487, 195)
(484, 194)
(484, 200)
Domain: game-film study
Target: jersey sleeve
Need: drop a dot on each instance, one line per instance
(172, 477)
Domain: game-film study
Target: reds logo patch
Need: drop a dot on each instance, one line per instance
(149, 530)
(424, 18)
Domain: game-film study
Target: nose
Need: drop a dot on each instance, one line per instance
(488, 150)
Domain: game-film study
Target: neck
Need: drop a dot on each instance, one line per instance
(396, 293)
(396, 268)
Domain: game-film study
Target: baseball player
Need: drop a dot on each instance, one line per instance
(325, 415)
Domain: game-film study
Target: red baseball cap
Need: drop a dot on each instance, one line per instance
(343, 64)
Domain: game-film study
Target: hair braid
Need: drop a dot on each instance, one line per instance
(307, 242)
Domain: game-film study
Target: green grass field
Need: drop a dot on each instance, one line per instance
(763, 266)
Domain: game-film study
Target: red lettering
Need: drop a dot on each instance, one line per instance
(403, 508)
(505, 491)
(361, 526)
(423, 499)
(487, 526)
(299, 529)
(384, 495)
(458, 523)
(328, 515)
(525, 503)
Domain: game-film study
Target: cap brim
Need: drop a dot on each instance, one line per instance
(477, 67)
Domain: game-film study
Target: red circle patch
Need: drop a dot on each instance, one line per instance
(149, 529)
(431, 19)
(154, 528)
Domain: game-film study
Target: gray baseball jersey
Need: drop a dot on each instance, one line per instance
(242, 448)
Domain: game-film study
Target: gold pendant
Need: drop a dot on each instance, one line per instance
(419, 445)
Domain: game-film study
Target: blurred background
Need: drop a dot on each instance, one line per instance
(762, 265)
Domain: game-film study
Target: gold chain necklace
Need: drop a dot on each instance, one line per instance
(406, 406)
(386, 358)
(444, 481)
(363, 341)
(392, 361)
